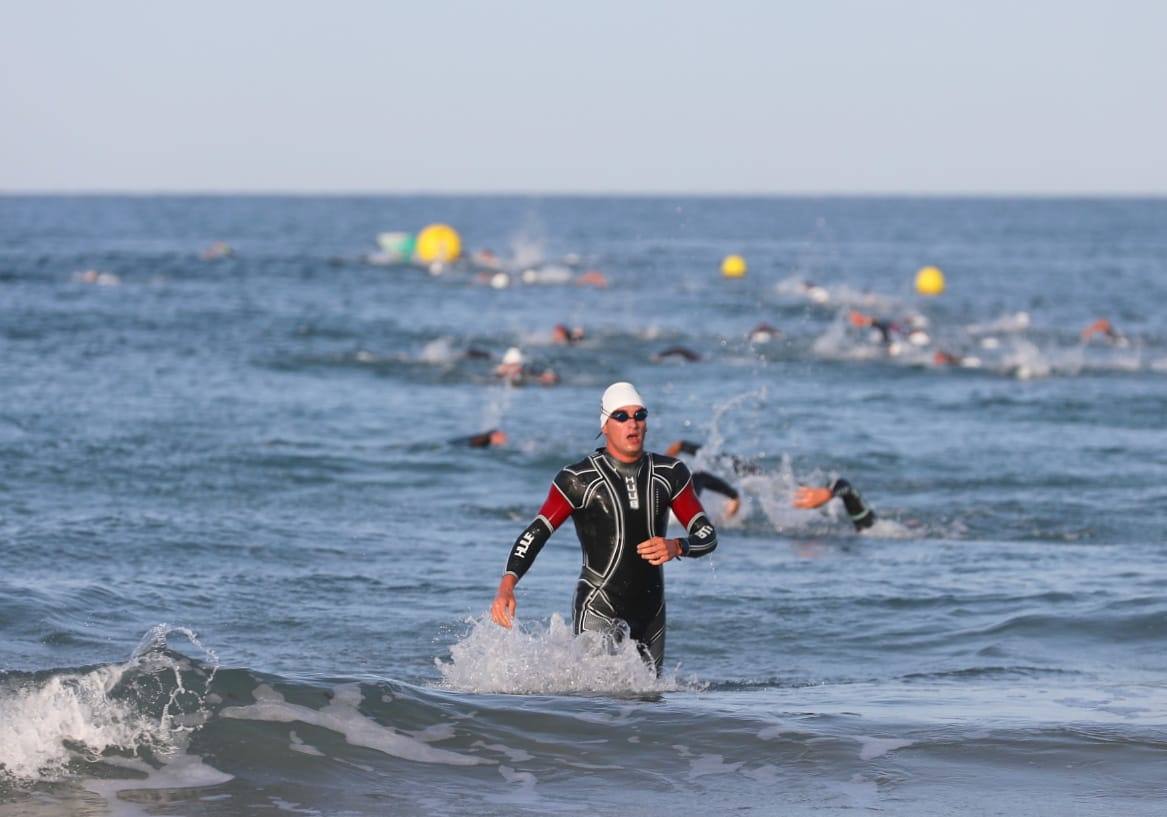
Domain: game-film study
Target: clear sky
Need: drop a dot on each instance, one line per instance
(825, 96)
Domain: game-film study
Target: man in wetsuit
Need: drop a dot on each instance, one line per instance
(619, 497)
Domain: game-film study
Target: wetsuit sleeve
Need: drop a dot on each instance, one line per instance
(555, 511)
(861, 515)
(703, 480)
(702, 537)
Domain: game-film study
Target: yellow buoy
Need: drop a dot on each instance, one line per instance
(438, 242)
(734, 266)
(929, 281)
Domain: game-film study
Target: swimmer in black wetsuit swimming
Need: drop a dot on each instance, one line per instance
(495, 438)
(861, 515)
(884, 328)
(681, 352)
(619, 497)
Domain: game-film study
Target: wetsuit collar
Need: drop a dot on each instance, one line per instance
(625, 468)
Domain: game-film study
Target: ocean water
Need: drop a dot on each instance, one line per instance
(245, 569)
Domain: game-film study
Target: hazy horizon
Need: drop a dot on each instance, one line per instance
(454, 98)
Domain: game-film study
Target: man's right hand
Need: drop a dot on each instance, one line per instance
(503, 609)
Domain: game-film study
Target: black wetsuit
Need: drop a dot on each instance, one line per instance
(687, 355)
(616, 506)
(861, 515)
(475, 440)
(703, 480)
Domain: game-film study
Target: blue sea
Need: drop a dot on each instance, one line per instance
(246, 558)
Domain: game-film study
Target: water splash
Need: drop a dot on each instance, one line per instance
(438, 352)
(531, 659)
(47, 723)
(713, 444)
(496, 405)
(1010, 323)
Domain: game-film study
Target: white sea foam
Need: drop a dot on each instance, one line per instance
(46, 724)
(513, 755)
(527, 247)
(298, 745)
(774, 493)
(1025, 361)
(292, 808)
(711, 764)
(841, 294)
(496, 403)
(1014, 322)
(535, 660)
(181, 772)
(438, 352)
(871, 748)
(836, 344)
(342, 716)
(41, 720)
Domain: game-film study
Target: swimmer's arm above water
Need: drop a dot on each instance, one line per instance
(555, 511)
(861, 515)
(678, 447)
(704, 481)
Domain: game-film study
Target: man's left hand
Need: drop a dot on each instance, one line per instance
(658, 550)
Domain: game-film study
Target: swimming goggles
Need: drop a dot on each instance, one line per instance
(621, 416)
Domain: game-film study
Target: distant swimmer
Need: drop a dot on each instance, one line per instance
(1103, 329)
(592, 278)
(885, 328)
(913, 329)
(563, 334)
(547, 274)
(494, 280)
(676, 352)
(101, 279)
(619, 497)
(861, 515)
(217, 251)
(494, 438)
(486, 259)
(814, 292)
(515, 370)
(511, 367)
(942, 358)
(764, 333)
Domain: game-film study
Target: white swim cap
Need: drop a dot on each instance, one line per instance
(513, 356)
(618, 395)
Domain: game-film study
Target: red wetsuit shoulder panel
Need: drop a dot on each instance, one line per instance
(556, 509)
(686, 505)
